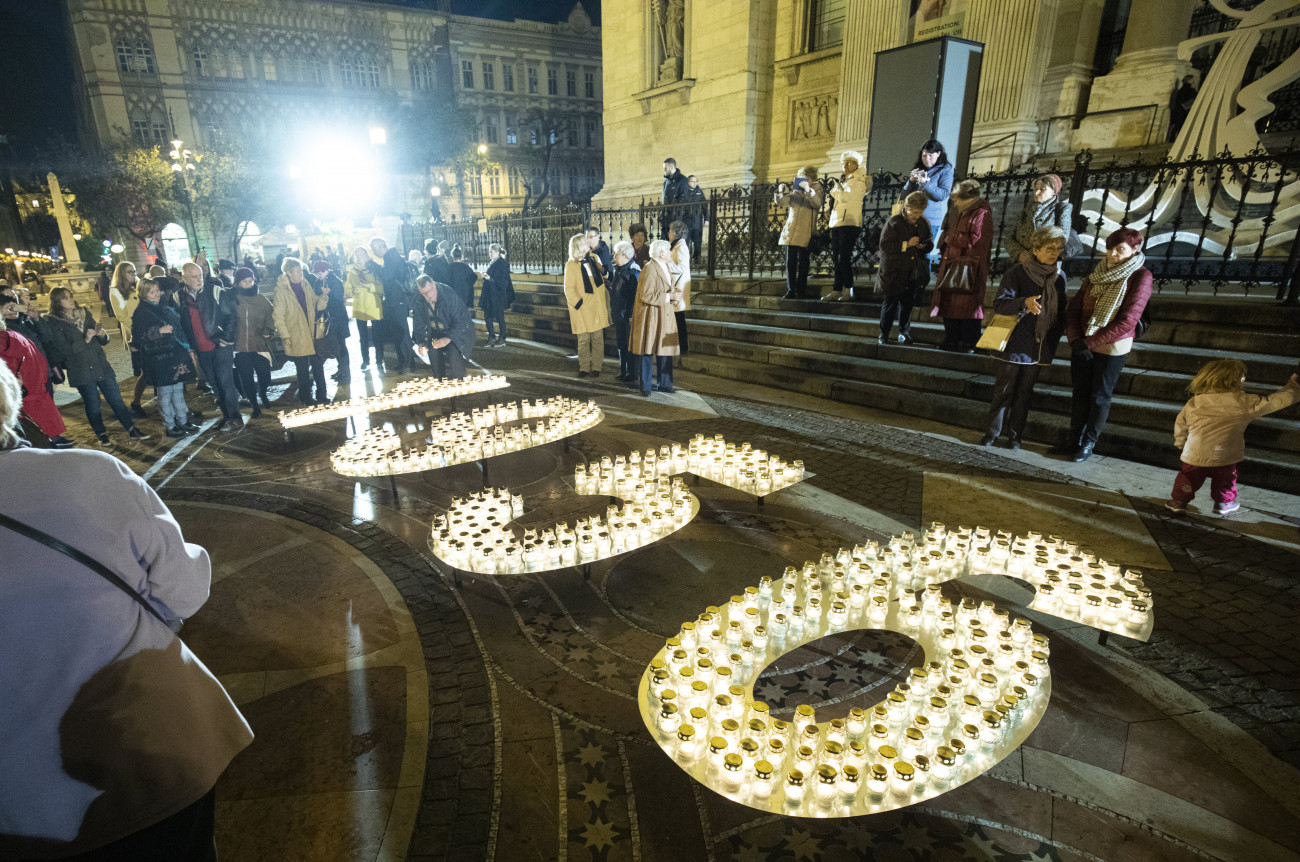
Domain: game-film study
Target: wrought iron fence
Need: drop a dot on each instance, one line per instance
(1208, 221)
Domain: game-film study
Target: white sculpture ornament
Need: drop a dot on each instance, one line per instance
(982, 691)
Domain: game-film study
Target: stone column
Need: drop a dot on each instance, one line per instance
(1017, 37)
(65, 226)
(1069, 68)
(1148, 68)
(869, 27)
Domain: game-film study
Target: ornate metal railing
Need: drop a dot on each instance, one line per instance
(1220, 222)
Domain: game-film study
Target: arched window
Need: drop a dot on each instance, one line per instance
(359, 72)
(134, 55)
(176, 244)
(494, 181)
(422, 75)
(201, 64)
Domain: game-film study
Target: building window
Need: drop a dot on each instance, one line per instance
(591, 133)
(148, 133)
(236, 65)
(268, 67)
(514, 182)
(134, 56)
(534, 135)
(512, 129)
(508, 78)
(571, 83)
(422, 74)
(315, 71)
(359, 73)
(475, 183)
(532, 80)
(552, 82)
(573, 181)
(825, 24)
(140, 131)
(589, 84)
(494, 182)
(467, 74)
(200, 61)
(490, 130)
(489, 77)
(571, 134)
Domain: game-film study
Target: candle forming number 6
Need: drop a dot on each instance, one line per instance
(983, 688)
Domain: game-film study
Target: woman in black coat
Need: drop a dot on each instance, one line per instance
(76, 342)
(497, 295)
(1034, 291)
(904, 243)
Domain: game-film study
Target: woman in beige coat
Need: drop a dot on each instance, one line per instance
(654, 324)
(588, 301)
(299, 315)
(803, 201)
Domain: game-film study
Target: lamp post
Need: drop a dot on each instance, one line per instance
(184, 161)
(482, 151)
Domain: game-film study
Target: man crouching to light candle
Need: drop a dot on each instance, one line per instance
(444, 329)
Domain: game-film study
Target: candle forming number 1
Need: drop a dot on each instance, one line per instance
(983, 688)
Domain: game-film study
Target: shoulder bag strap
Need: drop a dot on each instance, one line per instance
(89, 562)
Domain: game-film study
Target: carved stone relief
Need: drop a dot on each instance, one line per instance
(813, 116)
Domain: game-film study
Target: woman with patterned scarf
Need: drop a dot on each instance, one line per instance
(1101, 322)
(1045, 210)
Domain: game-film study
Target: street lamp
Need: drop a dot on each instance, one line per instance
(378, 135)
(182, 164)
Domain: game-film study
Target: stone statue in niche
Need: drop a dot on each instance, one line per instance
(669, 29)
(813, 117)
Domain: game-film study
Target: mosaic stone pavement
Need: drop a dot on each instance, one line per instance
(399, 716)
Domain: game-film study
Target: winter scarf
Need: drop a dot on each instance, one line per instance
(1108, 285)
(1044, 215)
(1043, 275)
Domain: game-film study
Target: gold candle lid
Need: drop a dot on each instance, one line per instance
(698, 714)
(904, 770)
(732, 762)
(888, 752)
(795, 777)
(827, 774)
(730, 725)
(686, 733)
(879, 772)
(946, 755)
(763, 770)
(850, 774)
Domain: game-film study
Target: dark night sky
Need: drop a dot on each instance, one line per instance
(36, 96)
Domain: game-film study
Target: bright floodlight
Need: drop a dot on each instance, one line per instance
(435, 191)
(482, 148)
(116, 248)
(76, 236)
(177, 144)
(338, 177)
(378, 135)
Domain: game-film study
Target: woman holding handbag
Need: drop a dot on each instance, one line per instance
(164, 356)
(904, 243)
(966, 248)
(366, 293)
(1033, 294)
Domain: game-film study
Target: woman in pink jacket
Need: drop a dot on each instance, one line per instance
(966, 249)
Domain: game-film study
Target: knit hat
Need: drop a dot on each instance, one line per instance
(244, 272)
(320, 266)
(1053, 181)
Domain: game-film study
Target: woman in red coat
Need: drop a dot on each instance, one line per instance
(1101, 322)
(967, 241)
(31, 369)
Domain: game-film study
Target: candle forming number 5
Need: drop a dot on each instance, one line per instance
(983, 688)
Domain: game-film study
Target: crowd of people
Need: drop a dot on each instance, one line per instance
(218, 329)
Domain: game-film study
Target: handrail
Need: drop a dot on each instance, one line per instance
(1011, 135)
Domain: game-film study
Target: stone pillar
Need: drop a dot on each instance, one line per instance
(1148, 68)
(1017, 37)
(1069, 68)
(868, 28)
(70, 250)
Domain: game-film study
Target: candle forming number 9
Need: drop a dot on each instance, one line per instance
(983, 688)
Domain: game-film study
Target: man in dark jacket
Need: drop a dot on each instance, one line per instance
(210, 324)
(226, 272)
(675, 188)
(323, 276)
(395, 274)
(438, 263)
(444, 327)
(695, 214)
(622, 298)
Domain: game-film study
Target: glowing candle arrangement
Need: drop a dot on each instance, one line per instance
(475, 534)
(981, 693)
(464, 437)
(743, 468)
(403, 395)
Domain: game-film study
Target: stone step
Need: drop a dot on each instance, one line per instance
(1276, 470)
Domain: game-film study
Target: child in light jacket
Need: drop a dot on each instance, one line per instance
(1211, 429)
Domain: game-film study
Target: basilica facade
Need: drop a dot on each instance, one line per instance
(739, 91)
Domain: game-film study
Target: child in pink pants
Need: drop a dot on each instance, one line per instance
(1211, 429)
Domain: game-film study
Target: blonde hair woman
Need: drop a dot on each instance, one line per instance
(848, 190)
(367, 295)
(123, 299)
(588, 302)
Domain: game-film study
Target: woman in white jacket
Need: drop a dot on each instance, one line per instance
(848, 190)
(680, 266)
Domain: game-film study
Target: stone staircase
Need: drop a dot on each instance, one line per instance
(744, 331)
